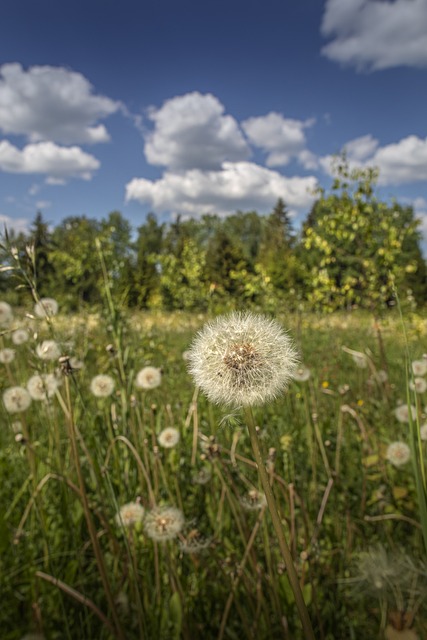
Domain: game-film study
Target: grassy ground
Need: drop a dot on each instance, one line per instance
(71, 570)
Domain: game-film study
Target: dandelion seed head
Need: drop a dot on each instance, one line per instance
(130, 514)
(253, 500)
(302, 374)
(16, 399)
(6, 314)
(7, 355)
(203, 475)
(19, 336)
(242, 359)
(41, 387)
(46, 308)
(148, 378)
(402, 412)
(419, 385)
(164, 523)
(168, 438)
(360, 360)
(102, 385)
(398, 453)
(423, 431)
(48, 350)
(194, 542)
(419, 367)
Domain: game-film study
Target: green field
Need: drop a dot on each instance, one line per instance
(71, 569)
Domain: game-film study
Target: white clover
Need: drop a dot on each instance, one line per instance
(302, 374)
(168, 438)
(16, 399)
(148, 378)
(419, 385)
(102, 385)
(7, 355)
(164, 523)
(19, 336)
(402, 412)
(41, 387)
(6, 314)
(46, 307)
(419, 367)
(130, 514)
(398, 453)
(48, 350)
(242, 359)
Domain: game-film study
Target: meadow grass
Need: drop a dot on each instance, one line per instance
(72, 568)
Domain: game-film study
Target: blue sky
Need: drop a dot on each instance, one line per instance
(193, 107)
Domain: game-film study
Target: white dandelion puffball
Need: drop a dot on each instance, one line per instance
(20, 336)
(42, 387)
(302, 374)
(419, 367)
(398, 453)
(48, 350)
(130, 514)
(164, 523)
(16, 399)
(402, 412)
(168, 438)
(253, 500)
(6, 314)
(423, 431)
(419, 385)
(6, 355)
(148, 378)
(46, 308)
(242, 359)
(360, 360)
(102, 385)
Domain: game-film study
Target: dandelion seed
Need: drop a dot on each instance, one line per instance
(164, 523)
(302, 374)
(398, 453)
(148, 378)
(102, 385)
(6, 314)
(20, 336)
(242, 359)
(41, 387)
(46, 308)
(402, 412)
(48, 350)
(419, 385)
(16, 399)
(7, 355)
(168, 438)
(130, 514)
(253, 500)
(419, 367)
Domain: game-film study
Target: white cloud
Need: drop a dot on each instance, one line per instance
(191, 131)
(238, 185)
(47, 157)
(376, 34)
(361, 148)
(281, 138)
(17, 224)
(52, 103)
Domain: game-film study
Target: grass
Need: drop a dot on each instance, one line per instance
(70, 571)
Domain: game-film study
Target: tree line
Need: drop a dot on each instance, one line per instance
(353, 250)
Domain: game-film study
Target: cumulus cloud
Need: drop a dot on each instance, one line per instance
(376, 34)
(193, 132)
(237, 185)
(52, 103)
(17, 224)
(46, 157)
(281, 138)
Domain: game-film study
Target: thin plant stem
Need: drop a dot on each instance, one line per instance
(278, 528)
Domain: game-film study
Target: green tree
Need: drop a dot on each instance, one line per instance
(149, 247)
(41, 238)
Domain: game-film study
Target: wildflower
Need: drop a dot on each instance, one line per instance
(168, 438)
(242, 359)
(419, 367)
(423, 431)
(402, 412)
(6, 315)
(302, 374)
(48, 350)
(20, 336)
(6, 355)
(16, 399)
(398, 453)
(419, 385)
(253, 500)
(164, 523)
(42, 387)
(148, 378)
(360, 360)
(130, 514)
(102, 385)
(325, 384)
(46, 308)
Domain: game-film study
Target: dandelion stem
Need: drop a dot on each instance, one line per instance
(277, 524)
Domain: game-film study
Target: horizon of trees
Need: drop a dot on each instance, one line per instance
(352, 250)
